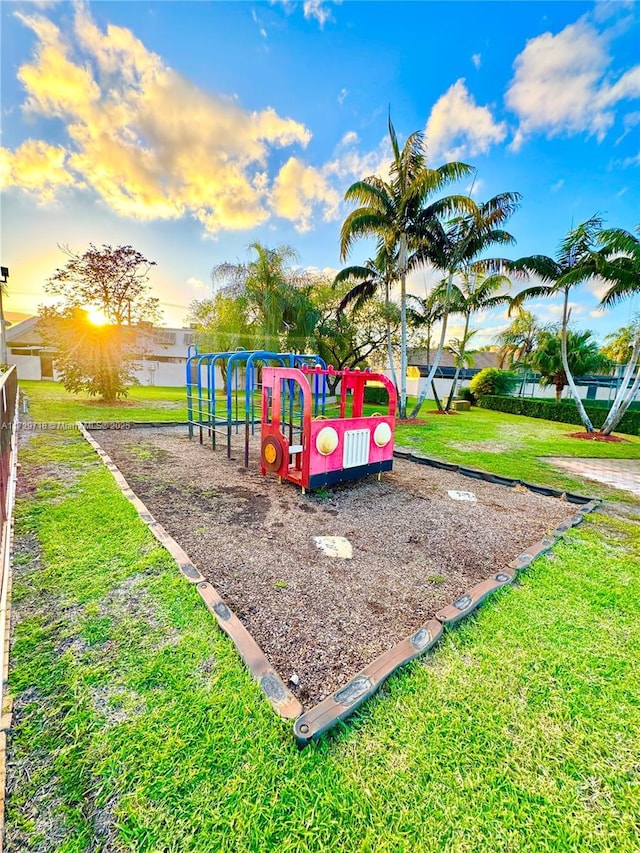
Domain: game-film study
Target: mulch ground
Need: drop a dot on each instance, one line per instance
(319, 618)
(598, 436)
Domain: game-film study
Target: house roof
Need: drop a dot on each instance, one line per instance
(420, 358)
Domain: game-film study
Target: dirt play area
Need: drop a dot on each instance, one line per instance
(320, 619)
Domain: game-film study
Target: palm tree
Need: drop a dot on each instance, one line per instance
(428, 312)
(461, 358)
(474, 293)
(518, 340)
(396, 213)
(376, 274)
(577, 260)
(549, 358)
(620, 263)
(454, 247)
(621, 266)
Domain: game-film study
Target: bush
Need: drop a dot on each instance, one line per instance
(467, 394)
(492, 380)
(376, 395)
(561, 412)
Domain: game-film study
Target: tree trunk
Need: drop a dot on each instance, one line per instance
(436, 398)
(392, 367)
(584, 417)
(623, 400)
(559, 390)
(436, 361)
(403, 327)
(461, 354)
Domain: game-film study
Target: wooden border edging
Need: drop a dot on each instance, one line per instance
(284, 703)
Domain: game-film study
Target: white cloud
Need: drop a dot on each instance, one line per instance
(298, 190)
(341, 97)
(350, 164)
(603, 10)
(350, 138)
(457, 127)
(149, 142)
(313, 9)
(557, 186)
(477, 59)
(196, 283)
(318, 10)
(563, 84)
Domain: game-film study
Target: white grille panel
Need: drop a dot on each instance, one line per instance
(356, 447)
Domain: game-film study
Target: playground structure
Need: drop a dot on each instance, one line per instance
(298, 442)
(315, 451)
(217, 414)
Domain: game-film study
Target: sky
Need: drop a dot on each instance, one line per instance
(192, 129)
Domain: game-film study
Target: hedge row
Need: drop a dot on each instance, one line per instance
(376, 395)
(552, 411)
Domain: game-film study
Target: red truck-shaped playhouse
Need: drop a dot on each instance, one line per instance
(320, 451)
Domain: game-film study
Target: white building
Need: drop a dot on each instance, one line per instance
(163, 364)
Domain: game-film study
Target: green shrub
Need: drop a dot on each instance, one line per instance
(492, 380)
(561, 412)
(376, 396)
(467, 394)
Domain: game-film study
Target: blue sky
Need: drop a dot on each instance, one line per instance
(190, 130)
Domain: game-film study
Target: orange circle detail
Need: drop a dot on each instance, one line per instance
(270, 454)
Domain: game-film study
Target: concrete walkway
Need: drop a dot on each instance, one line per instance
(619, 473)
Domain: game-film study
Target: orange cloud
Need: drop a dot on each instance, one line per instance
(149, 142)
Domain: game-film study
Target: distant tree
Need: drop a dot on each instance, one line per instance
(518, 340)
(111, 280)
(221, 325)
(356, 337)
(109, 286)
(472, 293)
(98, 359)
(277, 304)
(618, 345)
(582, 353)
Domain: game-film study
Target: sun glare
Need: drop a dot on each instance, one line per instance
(96, 317)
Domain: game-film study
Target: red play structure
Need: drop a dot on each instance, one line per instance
(319, 451)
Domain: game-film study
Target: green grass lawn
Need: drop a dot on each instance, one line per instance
(137, 728)
(49, 402)
(512, 445)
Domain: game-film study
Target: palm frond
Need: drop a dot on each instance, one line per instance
(534, 292)
(540, 265)
(358, 295)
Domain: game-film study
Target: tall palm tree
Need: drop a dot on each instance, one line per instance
(577, 260)
(453, 247)
(425, 313)
(396, 213)
(376, 274)
(620, 265)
